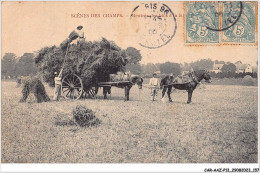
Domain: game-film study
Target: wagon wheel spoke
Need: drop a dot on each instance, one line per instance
(77, 92)
(77, 80)
(77, 84)
(71, 94)
(68, 93)
(66, 90)
(66, 82)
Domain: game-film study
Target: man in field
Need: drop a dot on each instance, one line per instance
(165, 84)
(57, 89)
(154, 84)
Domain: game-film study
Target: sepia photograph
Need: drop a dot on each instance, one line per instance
(130, 82)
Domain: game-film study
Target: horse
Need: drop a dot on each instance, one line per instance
(127, 86)
(196, 77)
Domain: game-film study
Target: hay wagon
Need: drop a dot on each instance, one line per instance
(72, 87)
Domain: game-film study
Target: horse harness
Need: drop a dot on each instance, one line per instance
(193, 77)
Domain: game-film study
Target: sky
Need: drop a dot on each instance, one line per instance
(30, 26)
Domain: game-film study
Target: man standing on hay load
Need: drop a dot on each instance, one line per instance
(80, 33)
(57, 89)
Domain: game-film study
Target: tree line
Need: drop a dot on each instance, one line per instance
(228, 70)
(13, 66)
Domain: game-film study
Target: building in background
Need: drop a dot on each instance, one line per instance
(217, 67)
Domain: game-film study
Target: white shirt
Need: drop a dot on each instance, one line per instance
(57, 80)
(154, 82)
(80, 33)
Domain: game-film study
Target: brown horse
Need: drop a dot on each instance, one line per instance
(127, 86)
(189, 86)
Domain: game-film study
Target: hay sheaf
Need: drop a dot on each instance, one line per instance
(84, 116)
(92, 61)
(33, 86)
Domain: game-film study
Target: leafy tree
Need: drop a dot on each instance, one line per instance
(134, 54)
(150, 68)
(170, 67)
(25, 65)
(228, 68)
(202, 64)
(185, 67)
(219, 62)
(8, 64)
(134, 68)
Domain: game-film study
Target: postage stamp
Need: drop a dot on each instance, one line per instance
(244, 29)
(220, 22)
(155, 24)
(199, 16)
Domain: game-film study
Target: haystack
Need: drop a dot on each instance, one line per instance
(92, 61)
(33, 86)
(248, 81)
(84, 116)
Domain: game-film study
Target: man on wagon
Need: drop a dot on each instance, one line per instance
(80, 33)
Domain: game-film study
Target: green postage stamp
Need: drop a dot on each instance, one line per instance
(200, 15)
(220, 22)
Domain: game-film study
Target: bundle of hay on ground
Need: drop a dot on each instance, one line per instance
(91, 61)
(34, 86)
(84, 116)
(248, 81)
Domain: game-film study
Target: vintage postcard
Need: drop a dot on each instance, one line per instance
(171, 82)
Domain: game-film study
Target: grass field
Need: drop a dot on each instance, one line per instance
(219, 126)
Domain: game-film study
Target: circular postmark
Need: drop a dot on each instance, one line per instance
(154, 24)
(232, 11)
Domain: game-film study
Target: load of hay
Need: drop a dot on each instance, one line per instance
(92, 61)
(84, 116)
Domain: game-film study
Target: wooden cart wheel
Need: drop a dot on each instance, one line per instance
(72, 87)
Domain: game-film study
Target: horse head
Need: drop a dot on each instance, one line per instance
(203, 74)
(206, 76)
(137, 80)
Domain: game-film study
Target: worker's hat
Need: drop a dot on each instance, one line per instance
(55, 72)
(79, 27)
(171, 74)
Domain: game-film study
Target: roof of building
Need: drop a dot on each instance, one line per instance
(217, 66)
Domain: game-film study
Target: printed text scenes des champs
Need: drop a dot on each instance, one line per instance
(82, 15)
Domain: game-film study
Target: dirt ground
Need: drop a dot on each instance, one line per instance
(219, 126)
